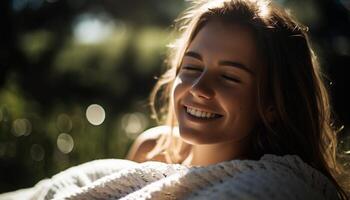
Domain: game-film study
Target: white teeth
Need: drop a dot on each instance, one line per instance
(200, 113)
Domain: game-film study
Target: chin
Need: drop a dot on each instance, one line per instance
(195, 137)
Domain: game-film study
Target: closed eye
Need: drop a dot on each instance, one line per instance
(192, 68)
(229, 78)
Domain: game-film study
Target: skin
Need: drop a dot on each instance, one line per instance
(217, 75)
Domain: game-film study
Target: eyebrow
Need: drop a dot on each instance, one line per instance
(222, 63)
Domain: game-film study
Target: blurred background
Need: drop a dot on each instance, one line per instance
(75, 77)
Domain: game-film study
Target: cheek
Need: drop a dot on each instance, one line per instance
(178, 90)
(242, 112)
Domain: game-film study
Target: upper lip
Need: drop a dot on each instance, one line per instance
(201, 107)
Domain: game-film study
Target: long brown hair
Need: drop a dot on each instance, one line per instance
(291, 82)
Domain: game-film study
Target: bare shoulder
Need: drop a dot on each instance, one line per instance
(145, 142)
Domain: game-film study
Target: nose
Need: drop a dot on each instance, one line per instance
(202, 87)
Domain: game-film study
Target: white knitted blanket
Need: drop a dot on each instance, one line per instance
(272, 177)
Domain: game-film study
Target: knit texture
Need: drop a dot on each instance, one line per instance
(272, 177)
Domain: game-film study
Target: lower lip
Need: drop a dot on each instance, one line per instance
(199, 119)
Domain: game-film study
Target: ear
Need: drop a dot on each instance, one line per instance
(270, 114)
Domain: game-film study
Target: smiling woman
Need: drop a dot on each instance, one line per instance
(242, 82)
(208, 85)
(247, 117)
(216, 79)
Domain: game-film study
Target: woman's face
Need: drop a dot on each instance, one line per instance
(215, 89)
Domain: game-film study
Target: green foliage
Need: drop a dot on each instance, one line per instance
(42, 136)
(150, 45)
(35, 43)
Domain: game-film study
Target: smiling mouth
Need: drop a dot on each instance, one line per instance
(195, 112)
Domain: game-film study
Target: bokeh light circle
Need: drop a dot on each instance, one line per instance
(95, 114)
(37, 152)
(65, 143)
(64, 123)
(21, 127)
(134, 123)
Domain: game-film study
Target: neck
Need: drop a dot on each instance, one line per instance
(204, 155)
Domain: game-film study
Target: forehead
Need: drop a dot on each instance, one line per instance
(222, 41)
